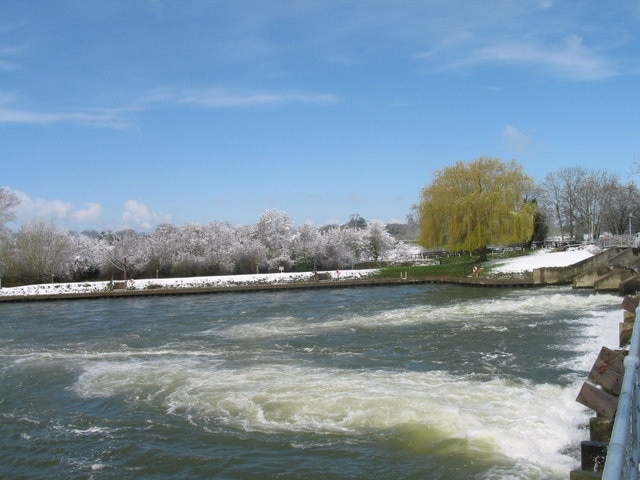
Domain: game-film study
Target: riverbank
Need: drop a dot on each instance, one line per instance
(261, 287)
(511, 272)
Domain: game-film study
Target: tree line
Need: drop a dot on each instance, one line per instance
(468, 206)
(40, 252)
(585, 203)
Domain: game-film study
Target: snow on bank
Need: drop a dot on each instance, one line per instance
(516, 265)
(176, 283)
(542, 258)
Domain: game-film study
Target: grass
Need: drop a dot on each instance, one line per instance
(455, 266)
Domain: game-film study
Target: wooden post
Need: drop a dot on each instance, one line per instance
(584, 475)
(600, 429)
(593, 455)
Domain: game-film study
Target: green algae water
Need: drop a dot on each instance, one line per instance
(407, 382)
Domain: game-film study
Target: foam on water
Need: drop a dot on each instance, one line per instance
(600, 329)
(494, 312)
(533, 423)
(26, 357)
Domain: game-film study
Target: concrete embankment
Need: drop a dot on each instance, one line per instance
(614, 269)
(266, 287)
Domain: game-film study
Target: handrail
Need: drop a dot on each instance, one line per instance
(624, 448)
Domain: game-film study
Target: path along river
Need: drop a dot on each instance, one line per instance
(405, 382)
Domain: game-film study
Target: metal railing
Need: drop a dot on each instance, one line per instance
(623, 452)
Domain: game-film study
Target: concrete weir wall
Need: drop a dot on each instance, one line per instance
(566, 275)
(613, 269)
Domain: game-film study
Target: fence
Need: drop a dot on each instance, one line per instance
(623, 452)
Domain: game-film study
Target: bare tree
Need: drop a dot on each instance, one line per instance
(551, 194)
(621, 209)
(593, 190)
(41, 252)
(588, 202)
(571, 179)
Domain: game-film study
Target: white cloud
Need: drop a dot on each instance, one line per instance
(7, 53)
(56, 210)
(91, 214)
(521, 34)
(137, 215)
(221, 98)
(570, 59)
(107, 118)
(30, 209)
(516, 140)
(119, 118)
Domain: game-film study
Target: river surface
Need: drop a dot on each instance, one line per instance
(404, 382)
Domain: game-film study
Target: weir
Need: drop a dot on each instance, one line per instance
(613, 269)
(612, 390)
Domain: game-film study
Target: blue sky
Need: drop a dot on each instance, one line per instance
(128, 114)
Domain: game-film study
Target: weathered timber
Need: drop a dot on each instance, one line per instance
(608, 370)
(630, 303)
(625, 329)
(603, 403)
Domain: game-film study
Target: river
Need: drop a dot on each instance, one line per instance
(404, 382)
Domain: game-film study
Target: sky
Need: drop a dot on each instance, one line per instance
(129, 114)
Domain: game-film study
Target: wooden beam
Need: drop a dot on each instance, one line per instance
(608, 370)
(603, 403)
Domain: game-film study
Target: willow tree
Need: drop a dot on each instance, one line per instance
(472, 205)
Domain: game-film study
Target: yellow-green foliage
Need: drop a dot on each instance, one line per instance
(471, 205)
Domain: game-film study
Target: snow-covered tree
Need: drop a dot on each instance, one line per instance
(221, 240)
(378, 240)
(353, 241)
(248, 253)
(86, 258)
(125, 253)
(163, 250)
(341, 248)
(307, 248)
(276, 232)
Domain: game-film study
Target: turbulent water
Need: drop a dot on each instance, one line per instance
(408, 382)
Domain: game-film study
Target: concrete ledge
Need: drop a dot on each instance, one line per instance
(266, 287)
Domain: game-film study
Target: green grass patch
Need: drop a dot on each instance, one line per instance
(455, 266)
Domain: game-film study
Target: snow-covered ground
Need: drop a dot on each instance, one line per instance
(191, 282)
(541, 258)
